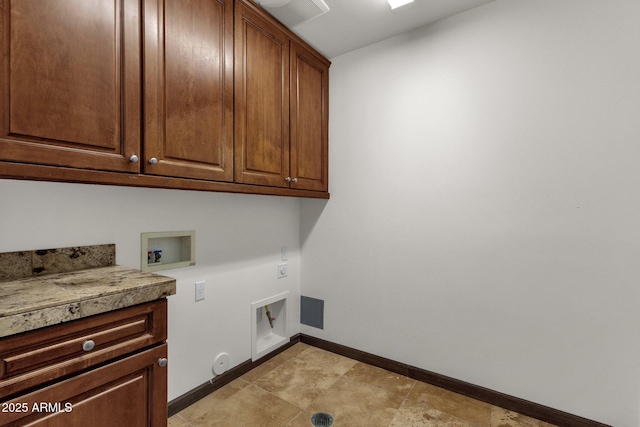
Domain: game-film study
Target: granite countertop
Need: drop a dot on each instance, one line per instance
(34, 302)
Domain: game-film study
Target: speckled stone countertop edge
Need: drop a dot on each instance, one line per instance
(33, 303)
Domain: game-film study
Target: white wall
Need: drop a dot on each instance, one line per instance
(485, 203)
(238, 240)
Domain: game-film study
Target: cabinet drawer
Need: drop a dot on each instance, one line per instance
(130, 392)
(43, 355)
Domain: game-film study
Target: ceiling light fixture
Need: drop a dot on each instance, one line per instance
(293, 12)
(397, 3)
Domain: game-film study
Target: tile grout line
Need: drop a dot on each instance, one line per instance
(402, 403)
(380, 388)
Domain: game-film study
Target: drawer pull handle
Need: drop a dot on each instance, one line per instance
(162, 362)
(88, 345)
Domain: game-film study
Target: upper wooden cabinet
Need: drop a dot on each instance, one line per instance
(203, 95)
(281, 104)
(70, 83)
(189, 89)
(262, 100)
(309, 152)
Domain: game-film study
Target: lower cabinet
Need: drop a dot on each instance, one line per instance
(102, 371)
(131, 392)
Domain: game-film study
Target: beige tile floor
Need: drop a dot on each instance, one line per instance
(289, 388)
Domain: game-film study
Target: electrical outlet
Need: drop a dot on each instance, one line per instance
(282, 270)
(200, 290)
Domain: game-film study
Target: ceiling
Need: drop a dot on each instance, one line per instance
(352, 24)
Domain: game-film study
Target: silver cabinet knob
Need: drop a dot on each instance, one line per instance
(88, 345)
(294, 180)
(133, 158)
(153, 160)
(288, 179)
(162, 362)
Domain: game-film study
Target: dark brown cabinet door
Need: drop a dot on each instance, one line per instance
(189, 89)
(131, 392)
(309, 120)
(70, 83)
(262, 100)
(193, 94)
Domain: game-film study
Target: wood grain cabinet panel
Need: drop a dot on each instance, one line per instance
(50, 377)
(30, 359)
(281, 109)
(210, 95)
(131, 392)
(309, 120)
(69, 83)
(189, 89)
(262, 100)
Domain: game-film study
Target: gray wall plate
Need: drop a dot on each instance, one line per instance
(312, 312)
